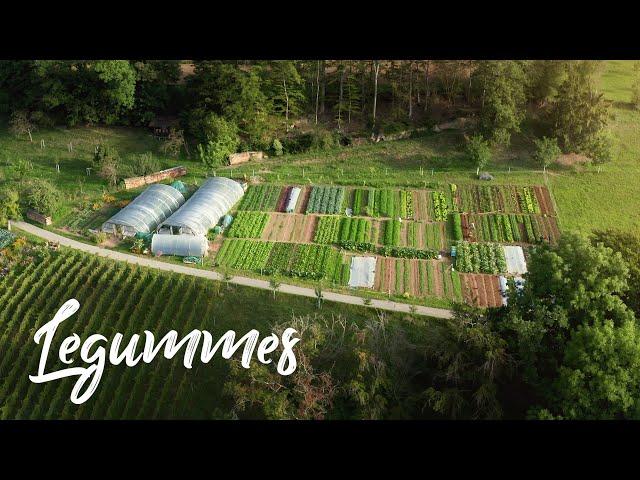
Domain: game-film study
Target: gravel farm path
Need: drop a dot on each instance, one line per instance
(246, 281)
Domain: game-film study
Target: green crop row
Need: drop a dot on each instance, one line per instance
(456, 226)
(440, 207)
(528, 201)
(310, 261)
(355, 230)
(506, 228)
(327, 230)
(315, 262)
(432, 235)
(392, 232)
(326, 200)
(244, 254)
(359, 196)
(385, 205)
(407, 252)
(480, 258)
(248, 224)
(261, 198)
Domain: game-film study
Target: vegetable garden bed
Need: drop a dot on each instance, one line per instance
(261, 197)
(248, 225)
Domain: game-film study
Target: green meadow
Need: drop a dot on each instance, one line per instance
(587, 199)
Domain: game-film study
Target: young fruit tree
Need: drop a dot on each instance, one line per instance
(547, 151)
(479, 151)
(20, 124)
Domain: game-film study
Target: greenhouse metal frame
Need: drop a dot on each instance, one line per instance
(146, 211)
(204, 209)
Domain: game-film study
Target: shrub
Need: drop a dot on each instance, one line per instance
(547, 150)
(479, 151)
(221, 140)
(276, 147)
(42, 196)
(9, 205)
(145, 164)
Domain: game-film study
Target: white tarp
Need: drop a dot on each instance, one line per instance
(292, 200)
(514, 256)
(362, 272)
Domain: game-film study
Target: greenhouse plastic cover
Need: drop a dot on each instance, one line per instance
(180, 245)
(362, 272)
(293, 199)
(146, 211)
(205, 208)
(514, 256)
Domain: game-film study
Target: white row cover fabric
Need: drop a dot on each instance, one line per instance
(146, 211)
(180, 245)
(514, 255)
(292, 201)
(362, 272)
(205, 208)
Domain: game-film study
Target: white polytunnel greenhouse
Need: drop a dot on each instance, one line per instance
(292, 200)
(146, 211)
(204, 209)
(179, 245)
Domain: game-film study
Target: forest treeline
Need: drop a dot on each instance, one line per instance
(291, 106)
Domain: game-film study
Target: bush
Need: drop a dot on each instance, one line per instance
(144, 164)
(276, 147)
(547, 151)
(479, 151)
(9, 205)
(315, 140)
(220, 140)
(41, 196)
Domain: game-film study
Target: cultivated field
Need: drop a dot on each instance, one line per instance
(116, 297)
(412, 249)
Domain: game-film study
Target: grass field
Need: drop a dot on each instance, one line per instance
(585, 200)
(116, 297)
(611, 198)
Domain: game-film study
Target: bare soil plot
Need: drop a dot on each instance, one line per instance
(303, 200)
(421, 205)
(481, 290)
(290, 227)
(544, 200)
(549, 227)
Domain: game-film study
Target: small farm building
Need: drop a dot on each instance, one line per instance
(204, 209)
(145, 212)
(180, 245)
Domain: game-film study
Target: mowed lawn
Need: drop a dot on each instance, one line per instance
(610, 199)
